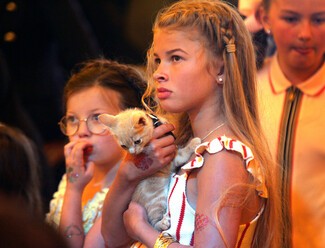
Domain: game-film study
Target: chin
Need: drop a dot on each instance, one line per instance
(170, 109)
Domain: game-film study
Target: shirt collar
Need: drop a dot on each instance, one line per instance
(312, 86)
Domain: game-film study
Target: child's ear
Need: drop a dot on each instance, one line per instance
(107, 120)
(264, 19)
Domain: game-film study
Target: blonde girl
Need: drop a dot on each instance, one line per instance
(201, 68)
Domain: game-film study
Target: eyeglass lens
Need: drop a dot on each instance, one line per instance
(70, 124)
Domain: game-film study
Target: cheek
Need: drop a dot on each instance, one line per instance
(107, 144)
(107, 152)
(110, 141)
(282, 35)
(191, 81)
(74, 138)
(320, 37)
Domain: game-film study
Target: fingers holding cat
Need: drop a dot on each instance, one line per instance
(78, 169)
(162, 145)
(161, 151)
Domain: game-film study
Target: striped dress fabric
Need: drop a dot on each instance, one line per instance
(183, 215)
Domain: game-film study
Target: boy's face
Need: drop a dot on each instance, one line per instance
(298, 29)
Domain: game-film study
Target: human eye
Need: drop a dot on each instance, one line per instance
(94, 117)
(157, 61)
(176, 58)
(318, 20)
(290, 18)
(71, 120)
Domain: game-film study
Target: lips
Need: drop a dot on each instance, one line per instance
(163, 93)
(87, 152)
(303, 50)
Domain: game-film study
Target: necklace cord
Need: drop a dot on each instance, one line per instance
(212, 131)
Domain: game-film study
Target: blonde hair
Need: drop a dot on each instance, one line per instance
(225, 36)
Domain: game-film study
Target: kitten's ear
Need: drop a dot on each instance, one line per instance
(138, 119)
(107, 120)
(142, 121)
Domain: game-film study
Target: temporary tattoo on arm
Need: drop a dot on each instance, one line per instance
(142, 161)
(201, 221)
(72, 176)
(73, 230)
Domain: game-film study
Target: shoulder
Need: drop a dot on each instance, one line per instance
(223, 156)
(221, 172)
(222, 146)
(227, 162)
(226, 166)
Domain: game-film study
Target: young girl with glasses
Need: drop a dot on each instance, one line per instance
(92, 155)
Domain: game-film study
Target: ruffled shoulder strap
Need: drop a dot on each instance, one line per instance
(229, 144)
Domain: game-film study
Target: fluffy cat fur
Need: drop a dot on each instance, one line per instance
(133, 129)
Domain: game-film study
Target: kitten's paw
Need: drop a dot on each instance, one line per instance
(163, 224)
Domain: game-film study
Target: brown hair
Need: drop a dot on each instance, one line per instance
(266, 4)
(19, 169)
(127, 80)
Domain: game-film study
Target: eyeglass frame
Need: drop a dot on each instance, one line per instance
(63, 127)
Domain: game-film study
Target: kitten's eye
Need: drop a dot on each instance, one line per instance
(137, 142)
(124, 147)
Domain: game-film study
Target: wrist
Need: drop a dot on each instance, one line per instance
(164, 240)
(145, 234)
(73, 190)
(128, 173)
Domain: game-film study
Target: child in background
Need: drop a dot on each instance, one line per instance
(92, 155)
(292, 102)
(201, 68)
(20, 170)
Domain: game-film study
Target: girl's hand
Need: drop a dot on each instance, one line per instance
(161, 152)
(78, 169)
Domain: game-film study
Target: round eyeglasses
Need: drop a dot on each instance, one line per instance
(69, 125)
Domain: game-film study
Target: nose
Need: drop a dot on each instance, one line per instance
(159, 75)
(132, 150)
(83, 129)
(305, 31)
